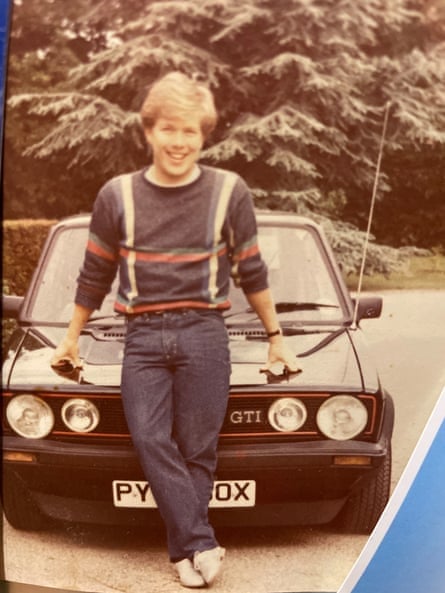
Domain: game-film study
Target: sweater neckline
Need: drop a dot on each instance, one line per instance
(197, 173)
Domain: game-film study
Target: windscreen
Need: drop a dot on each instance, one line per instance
(300, 276)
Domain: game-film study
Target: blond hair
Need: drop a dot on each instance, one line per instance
(175, 92)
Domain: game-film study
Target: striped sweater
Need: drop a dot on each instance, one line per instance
(173, 246)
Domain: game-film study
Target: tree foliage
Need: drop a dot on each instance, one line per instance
(301, 87)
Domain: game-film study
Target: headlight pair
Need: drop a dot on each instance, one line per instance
(32, 418)
(341, 417)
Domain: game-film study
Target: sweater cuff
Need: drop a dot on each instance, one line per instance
(254, 285)
(89, 300)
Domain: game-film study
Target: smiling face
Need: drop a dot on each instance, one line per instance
(176, 141)
(177, 115)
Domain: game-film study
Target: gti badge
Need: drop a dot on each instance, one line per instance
(246, 417)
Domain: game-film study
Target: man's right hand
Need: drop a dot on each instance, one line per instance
(66, 355)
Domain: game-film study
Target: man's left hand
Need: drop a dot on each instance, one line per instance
(281, 359)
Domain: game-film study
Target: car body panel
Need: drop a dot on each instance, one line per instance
(334, 363)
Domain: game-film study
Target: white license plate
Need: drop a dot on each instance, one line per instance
(231, 493)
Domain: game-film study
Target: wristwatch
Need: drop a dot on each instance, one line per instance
(277, 332)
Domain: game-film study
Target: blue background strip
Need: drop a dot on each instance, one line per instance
(411, 557)
(4, 32)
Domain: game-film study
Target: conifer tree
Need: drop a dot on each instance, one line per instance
(301, 87)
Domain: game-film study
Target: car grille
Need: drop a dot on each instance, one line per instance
(246, 418)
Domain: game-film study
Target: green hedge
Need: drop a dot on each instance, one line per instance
(22, 244)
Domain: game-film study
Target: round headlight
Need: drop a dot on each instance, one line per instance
(287, 414)
(80, 415)
(30, 417)
(342, 417)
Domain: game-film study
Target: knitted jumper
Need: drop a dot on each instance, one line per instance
(174, 246)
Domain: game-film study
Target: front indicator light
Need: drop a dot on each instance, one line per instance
(352, 460)
(30, 417)
(80, 415)
(342, 417)
(287, 414)
(19, 456)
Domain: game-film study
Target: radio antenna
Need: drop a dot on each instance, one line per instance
(371, 212)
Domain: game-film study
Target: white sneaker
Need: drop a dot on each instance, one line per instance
(209, 563)
(188, 576)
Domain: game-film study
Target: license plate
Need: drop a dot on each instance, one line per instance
(230, 493)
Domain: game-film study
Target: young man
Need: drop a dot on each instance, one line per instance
(177, 232)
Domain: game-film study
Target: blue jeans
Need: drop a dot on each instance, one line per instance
(175, 385)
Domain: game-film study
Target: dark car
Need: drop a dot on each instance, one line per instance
(305, 448)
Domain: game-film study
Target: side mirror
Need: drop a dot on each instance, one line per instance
(369, 307)
(11, 306)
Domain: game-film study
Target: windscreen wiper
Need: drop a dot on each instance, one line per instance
(287, 306)
(104, 317)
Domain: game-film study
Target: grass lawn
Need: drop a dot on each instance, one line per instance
(421, 273)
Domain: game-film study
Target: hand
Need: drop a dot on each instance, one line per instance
(281, 359)
(66, 355)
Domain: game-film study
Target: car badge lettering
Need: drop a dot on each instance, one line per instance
(246, 417)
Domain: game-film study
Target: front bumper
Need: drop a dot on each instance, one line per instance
(296, 483)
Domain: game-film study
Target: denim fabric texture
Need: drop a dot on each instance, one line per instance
(175, 385)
